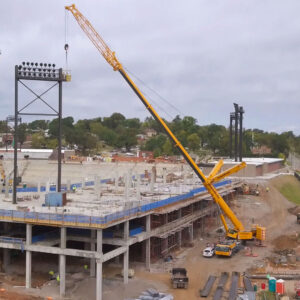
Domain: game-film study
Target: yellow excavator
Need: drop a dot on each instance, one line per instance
(238, 232)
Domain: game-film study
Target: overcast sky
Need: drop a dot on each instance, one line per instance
(201, 56)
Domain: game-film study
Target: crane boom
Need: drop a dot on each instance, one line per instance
(207, 182)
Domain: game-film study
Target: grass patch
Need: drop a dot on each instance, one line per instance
(291, 192)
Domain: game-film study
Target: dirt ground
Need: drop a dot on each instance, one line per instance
(269, 209)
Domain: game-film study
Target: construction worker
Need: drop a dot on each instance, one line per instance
(86, 267)
(74, 188)
(267, 189)
(57, 278)
(51, 273)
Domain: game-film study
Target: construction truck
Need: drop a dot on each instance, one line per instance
(179, 278)
(226, 248)
(238, 232)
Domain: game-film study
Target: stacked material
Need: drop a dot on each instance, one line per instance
(152, 294)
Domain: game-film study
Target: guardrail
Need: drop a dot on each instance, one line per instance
(83, 221)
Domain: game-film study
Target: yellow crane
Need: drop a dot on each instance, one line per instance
(238, 232)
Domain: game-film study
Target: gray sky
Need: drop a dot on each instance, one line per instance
(199, 55)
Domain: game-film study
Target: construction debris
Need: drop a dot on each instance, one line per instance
(152, 294)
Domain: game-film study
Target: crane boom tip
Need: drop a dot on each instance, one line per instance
(69, 7)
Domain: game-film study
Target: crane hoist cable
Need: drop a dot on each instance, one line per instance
(154, 91)
(66, 47)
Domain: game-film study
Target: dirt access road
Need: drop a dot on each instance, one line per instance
(270, 209)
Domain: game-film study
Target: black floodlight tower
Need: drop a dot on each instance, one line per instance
(39, 72)
(232, 118)
(8, 120)
(241, 112)
(236, 123)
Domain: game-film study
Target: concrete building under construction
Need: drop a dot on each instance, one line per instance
(138, 216)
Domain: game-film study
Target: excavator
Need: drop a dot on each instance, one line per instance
(232, 234)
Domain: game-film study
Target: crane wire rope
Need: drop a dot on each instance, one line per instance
(155, 92)
(66, 47)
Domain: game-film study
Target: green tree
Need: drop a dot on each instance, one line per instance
(38, 125)
(168, 148)
(155, 142)
(38, 141)
(193, 141)
(189, 124)
(22, 134)
(115, 120)
(127, 138)
(67, 127)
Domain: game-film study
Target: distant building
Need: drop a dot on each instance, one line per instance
(149, 132)
(261, 150)
(145, 154)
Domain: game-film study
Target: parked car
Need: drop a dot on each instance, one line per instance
(209, 251)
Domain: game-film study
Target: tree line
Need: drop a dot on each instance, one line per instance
(91, 136)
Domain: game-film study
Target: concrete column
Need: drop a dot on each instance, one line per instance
(62, 262)
(164, 176)
(179, 238)
(39, 187)
(191, 231)
(99, 267)
(69, 185)
(179, 213)
(82, 183)
(7, 189)
(97, 186)
(6, 252)
(130, 178)
(28, 256)
(152, 183)
(6, 259)
(148, 245)
(93, 260)
(116, 180)
(126, 254)
(125, 265)
(126, 183)
(138, 187)
(126, 230)
(179, 232)
(47, 187)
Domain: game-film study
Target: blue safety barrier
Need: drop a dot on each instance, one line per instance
(45, 236)
(136, 231)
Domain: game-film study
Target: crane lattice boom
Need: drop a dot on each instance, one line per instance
(95, 37)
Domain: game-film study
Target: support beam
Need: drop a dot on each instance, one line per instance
(125, 265)
(126, 253)
(148, 245)
(191, 232)
(93, 260)
(62, 262)
(6, 252)
(6, 259)
(179, 238)
(99, 266)
(28, 256)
